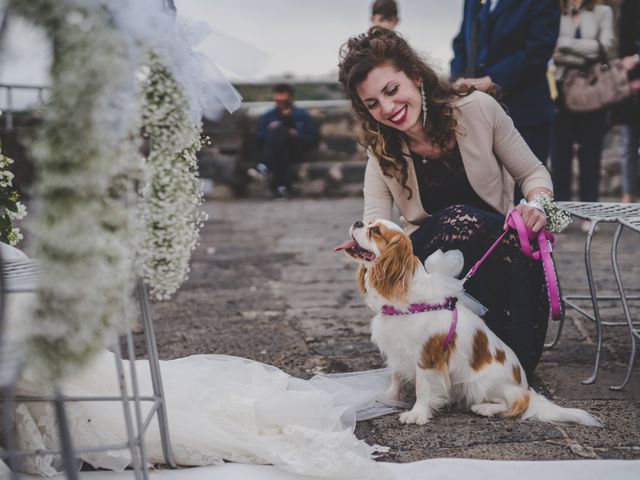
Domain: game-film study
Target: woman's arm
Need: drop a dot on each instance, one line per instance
(521, 163)
(606, 34)
(513, 152)
(378, 201)
(585, 48)
(568, 59)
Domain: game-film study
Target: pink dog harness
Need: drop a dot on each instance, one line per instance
(545, 243)
(449, 303)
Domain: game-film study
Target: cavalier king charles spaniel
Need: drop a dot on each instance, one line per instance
(429, 336)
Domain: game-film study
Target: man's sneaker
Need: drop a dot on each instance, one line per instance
(259, 173)
(281, 192)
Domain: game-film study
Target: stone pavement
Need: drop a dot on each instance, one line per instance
(266, 285)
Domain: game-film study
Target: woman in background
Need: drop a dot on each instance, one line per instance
(585, 27)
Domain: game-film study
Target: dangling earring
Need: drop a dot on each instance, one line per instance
(424, 106)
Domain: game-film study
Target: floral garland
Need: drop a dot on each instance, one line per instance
(12, 208)
(557, 219)
(172, 196)
(87, 158)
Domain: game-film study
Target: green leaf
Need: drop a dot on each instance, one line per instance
(9, 204)
(5, 222)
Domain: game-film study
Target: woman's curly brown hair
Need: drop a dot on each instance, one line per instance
(361, 54)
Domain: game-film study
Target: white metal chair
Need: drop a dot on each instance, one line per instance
(599, 212)
(22, 276)
(633, 224)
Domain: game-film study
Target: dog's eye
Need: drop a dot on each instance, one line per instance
(375, 230)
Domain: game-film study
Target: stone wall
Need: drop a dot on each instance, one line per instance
(336, 168)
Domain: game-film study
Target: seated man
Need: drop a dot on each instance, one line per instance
(284, 133)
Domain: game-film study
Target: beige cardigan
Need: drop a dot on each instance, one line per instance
(595, 26)
(493, 154)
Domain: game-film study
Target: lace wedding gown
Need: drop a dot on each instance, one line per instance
(219, 408)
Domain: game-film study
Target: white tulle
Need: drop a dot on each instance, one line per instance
(222, 408)
(450, 264)
(147, 24)
(219, 408)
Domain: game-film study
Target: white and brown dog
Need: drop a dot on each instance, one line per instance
(430, 338)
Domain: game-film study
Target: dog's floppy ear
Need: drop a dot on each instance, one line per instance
(449, 263)
(362, 271)
(391, 273)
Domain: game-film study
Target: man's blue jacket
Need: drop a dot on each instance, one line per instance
(515, 42)
(299, 119)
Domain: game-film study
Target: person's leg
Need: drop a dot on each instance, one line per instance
(292, 151)
(509, 284)
(538, 138)
(276, 155)
(629, 160)
(590, 135)
(562, 153)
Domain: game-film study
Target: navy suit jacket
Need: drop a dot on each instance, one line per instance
(515, 42)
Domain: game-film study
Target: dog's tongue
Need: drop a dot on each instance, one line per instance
(345, 245)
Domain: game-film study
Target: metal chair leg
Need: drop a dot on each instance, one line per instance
(554, 342)
(625, 308)
(66, 442)
(138, 472)
(156, 377)
(136, 402)
(8, 426)
(594, 301)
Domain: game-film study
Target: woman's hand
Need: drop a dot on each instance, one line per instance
(630, 62)
(483, 83)
(532, 217)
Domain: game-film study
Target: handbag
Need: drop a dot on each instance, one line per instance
(596, 85)
(545, 242)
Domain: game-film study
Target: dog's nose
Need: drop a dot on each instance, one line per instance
(358, 224)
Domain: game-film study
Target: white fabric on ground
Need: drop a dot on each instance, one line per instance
(436, 469)
(219, 407)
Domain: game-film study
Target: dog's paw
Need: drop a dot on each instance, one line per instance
(419, 417)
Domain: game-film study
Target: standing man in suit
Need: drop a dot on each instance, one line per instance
(505, 45)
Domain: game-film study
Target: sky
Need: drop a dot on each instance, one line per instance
(278, 37)
(302, 37)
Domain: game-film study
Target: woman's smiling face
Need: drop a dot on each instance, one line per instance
(392, 98)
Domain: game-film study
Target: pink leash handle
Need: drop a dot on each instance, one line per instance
(545, 247)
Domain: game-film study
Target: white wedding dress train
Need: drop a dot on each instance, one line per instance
(220, 408)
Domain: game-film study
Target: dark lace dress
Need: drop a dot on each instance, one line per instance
(509, 284)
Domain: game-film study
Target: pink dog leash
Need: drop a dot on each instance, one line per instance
(545, 242)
